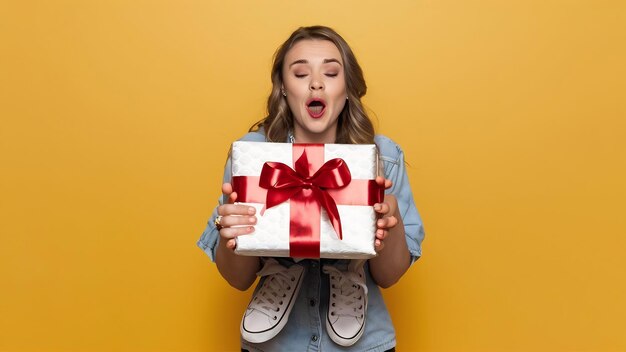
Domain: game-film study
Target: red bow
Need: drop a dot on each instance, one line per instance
(283, 183)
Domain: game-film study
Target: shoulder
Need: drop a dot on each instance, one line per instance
(389, 150)
(255, 136)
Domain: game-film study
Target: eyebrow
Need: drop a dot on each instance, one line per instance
(304, 61)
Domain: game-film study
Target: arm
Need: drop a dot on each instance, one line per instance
(400, 231)
(238, 271)
(392, 262)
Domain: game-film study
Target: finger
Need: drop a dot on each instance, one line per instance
(235, 209)
(232, 198)
(227, 189)
(381, 234)
(229, 193)
(238, 220)
(391, 221)
(229, 233)
(383, 182)
(231, 244)
(387, 222)
(381, 208)
(378, 245)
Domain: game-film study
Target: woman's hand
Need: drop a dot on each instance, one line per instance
(386, 211)
(234, 219)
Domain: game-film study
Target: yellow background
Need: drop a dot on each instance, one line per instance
(116, 117)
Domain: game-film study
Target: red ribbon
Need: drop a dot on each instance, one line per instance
(307, 194)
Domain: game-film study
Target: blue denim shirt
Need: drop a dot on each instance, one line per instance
(306, 329)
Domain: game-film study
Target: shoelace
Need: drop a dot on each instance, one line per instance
(270, 296)
(348, 298)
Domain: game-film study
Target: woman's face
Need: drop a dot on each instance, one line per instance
(313, 78)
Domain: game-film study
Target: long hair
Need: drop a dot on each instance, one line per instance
(353, 126)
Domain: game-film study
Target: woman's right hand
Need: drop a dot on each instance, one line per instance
(236, 219)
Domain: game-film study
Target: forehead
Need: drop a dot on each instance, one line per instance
(313, 50)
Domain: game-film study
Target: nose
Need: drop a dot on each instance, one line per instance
(316, 83)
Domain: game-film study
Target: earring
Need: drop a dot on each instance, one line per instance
(347, 98)
(282, 90)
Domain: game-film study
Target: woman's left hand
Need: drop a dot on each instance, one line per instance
(386, 212)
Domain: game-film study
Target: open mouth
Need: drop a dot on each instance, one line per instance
(316, 107)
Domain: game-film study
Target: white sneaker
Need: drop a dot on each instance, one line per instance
(347, 306)
(270, 306)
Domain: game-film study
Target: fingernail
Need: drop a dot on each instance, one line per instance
(251, 210)
(380, 223)
(252, 219)
(377, 206)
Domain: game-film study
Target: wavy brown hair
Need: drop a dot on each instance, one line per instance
(353, 127)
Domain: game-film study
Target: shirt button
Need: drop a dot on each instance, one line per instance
(312, 302)
(314, 337)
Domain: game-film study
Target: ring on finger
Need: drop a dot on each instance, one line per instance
(218, 222)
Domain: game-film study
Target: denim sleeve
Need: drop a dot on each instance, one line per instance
(210, 238)
(395, 170)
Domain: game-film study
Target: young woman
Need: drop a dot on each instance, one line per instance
(330, 304)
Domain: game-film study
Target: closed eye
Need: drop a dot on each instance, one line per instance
(300, 75)
(331, 74)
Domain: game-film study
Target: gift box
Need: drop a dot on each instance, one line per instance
(312, 200)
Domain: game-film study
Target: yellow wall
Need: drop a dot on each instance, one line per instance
(116, 117)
